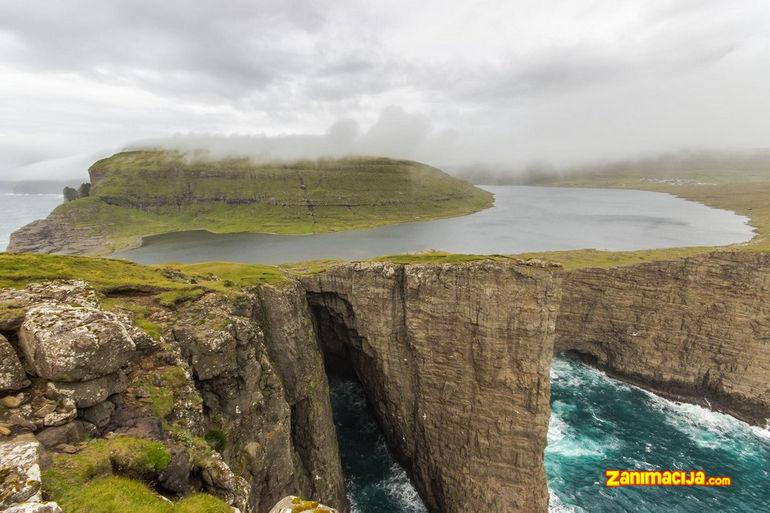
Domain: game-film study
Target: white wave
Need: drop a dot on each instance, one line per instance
(557, 428)
(555, 505)
(400, 488)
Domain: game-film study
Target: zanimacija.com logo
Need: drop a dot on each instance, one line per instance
(617, 478)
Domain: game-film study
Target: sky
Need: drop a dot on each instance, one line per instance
(505, 83)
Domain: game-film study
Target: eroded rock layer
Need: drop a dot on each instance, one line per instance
(697, 327)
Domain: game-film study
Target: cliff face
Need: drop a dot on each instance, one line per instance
(244, 373)
(455, 362)
(697, 327)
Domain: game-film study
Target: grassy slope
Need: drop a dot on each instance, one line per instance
(141, 193)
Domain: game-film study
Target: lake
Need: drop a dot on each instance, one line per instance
(523, 219)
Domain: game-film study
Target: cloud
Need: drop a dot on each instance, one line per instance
(500, 82)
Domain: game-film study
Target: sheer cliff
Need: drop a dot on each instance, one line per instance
(696, 327)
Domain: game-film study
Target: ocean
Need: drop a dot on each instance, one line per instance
(16, 210)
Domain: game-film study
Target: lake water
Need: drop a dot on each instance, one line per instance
(523, 219)
(16, 210)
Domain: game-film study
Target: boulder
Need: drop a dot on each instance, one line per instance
(19, 473)
(89, 393)
(65, 343)
(12, 376)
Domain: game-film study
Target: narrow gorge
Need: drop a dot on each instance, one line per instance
(454, 359)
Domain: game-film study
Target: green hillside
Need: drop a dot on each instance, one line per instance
(139, 193)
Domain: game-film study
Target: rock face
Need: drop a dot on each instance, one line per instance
(696, 327)
(12, 376)
(57, 234)
(20, 484)
(260, 371)
(65, 343)
(455, 361)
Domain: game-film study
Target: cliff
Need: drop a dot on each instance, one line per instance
(455, 362)
(202, 398)
(138, 193)
(696, 328)
(213, 378)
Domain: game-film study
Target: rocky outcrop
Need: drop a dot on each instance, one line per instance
(57, 233)
(260, 372)
(455, 362)
(696, 328)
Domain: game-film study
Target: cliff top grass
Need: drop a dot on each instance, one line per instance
(168, 284)
(140, 193)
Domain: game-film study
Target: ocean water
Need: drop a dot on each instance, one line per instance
(16, 210)
(597, 423)
(375, 482)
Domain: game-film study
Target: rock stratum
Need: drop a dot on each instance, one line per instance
(226, 393)
(139, 193)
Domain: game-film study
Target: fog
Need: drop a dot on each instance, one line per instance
(511, 88)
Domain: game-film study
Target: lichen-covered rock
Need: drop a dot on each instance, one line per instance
(219, 480)
(88, 393)
(64, 343)
(19, 473)
(293, 504)
(12, 376)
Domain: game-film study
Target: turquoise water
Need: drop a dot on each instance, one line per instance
(597, 423)
(375, 482)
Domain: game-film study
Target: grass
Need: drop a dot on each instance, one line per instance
(109, 475)
(141, 193)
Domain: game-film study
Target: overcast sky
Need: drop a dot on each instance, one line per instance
(449, 82)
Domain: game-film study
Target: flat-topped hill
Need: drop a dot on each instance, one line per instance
(139, 193)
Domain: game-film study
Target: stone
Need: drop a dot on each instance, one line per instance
(12, 311)
(19, 473)
(70, 433)
(35, 507)
(64, 343)
(12, 401)
(99, 415)
(5, 431)
(88, 393)
(12, 375)
(175, 477)
(293, 503)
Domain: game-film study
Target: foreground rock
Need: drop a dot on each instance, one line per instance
(292, 504)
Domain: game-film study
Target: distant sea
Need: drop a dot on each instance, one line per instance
(16, 210)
